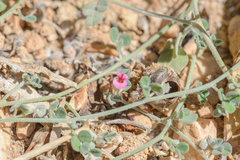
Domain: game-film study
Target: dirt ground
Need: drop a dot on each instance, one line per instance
(65, 51)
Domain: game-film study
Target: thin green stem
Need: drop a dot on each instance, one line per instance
(10, 11)
(117, 2)
(120, 109)
(177, 44)
(13, 90)
(184, 34)
(72, 109)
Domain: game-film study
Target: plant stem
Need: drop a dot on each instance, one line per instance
(177, 45)
(185, 32)
(72, 109)
(13, 90)
(117, 2)
(9, 12)
(120, 109)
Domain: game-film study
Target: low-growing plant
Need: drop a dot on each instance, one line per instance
(172, 55)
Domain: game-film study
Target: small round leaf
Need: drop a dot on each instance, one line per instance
(3, 6)
(96, 152)
(227, 149)
(89, 8)
(84, 148)
(85, 136)
(217, 112)
(205, 23)
(75, 143)
(189, 119)
(203, 144)
(41, 110)
(182, 147)
(114, 34)
(145, 82)
(126, 39)
(61, 112)
(30, 18)
(119, 45)
(54, 105)
(102, 5)
(157, 88)
(229, 106)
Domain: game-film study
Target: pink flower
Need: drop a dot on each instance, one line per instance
(120, 83)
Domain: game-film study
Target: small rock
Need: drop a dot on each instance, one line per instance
(25, 129)
(40, 54)
(206, 111)
(190, 47)
(196, 131)
(34, 41)
(102, 48)
(165, 146)
(140, 118)
(173, 31)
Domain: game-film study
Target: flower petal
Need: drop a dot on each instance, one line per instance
(122, 85)
(124, 77)
(119, 74)
(116, 83)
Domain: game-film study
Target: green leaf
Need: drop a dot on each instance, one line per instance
(220, 94)
(119, 46)
(233, 96)
(127, 72)
(217, 113)
(157, 88)
(178, 63)
(128, 86)
(231, 86)
(15, 106)
(189, 119)
(217, 151)
(205, 24)
(84, 148)
(184, 112)
(203, 144)
(102, 5)
(182, 147)
(30, 18)
(229, 106)
(166, 88)
(202, 99)
(126, 39)
(179, 154)
(216, 143)
(61, 112)
(114, 34)
(75, 143)
(146, 92)
(218, 42)
(85, 136)
(105, 134)
(89, 156)
(54, 105)
(117, 98)
(201, 45)
(94, 19)
(171, 146)
(3, 6)
(112, 135)
(20, 14)
(213, 38)
(89, 8)
(96, 152)
(52, 114)
(227, 149)
(145, 82)
(91, 145)
(41, 110)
